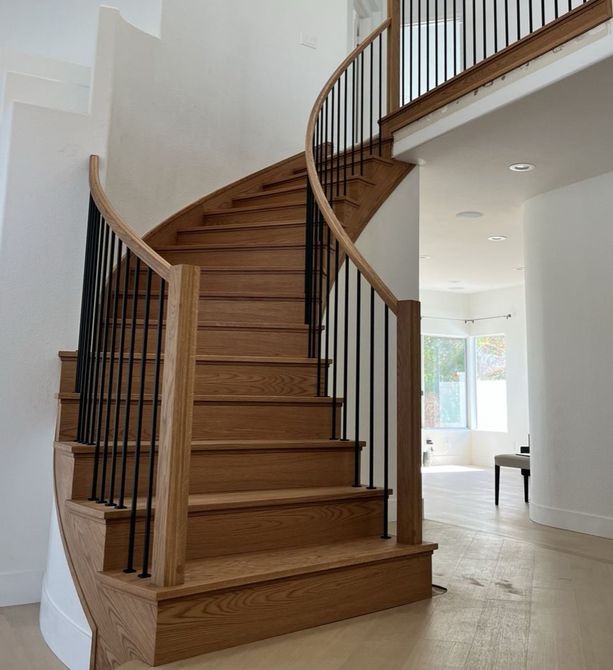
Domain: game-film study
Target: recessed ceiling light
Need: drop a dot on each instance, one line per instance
(469, 214)
(497, 238)
(519, 269)
(425, 258)
(456, 288)
(522, 167)
(455, 281)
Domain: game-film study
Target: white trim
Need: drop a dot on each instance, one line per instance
(20, 588)
(580, 522)
(69, 641)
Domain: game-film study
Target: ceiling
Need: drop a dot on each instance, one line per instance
(566, 130)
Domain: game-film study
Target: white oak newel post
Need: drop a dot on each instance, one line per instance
(409, 423)
(172, 493)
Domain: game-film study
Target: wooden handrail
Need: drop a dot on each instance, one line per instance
(132, 241)
(330, 217)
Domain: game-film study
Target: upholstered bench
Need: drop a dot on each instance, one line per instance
(520, 461)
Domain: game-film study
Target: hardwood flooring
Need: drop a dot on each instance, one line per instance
(520, 596)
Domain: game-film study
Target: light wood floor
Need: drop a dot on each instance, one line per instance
(521, 596)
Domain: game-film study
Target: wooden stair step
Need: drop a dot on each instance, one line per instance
(243, 521)
(256, 213)
(227, 375)
(232, 600)
(280, 196)
(236, 465)
(232, 416)
(208, 255)
(301, 178)
(228, 337)
(261, 231)
(228, 572)
(368, 160)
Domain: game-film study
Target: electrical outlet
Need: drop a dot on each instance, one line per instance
(309, 41)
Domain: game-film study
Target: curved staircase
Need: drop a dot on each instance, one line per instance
(226, 503)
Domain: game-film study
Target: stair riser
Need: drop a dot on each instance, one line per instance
(288, 213)
(269, 234)
(355, 188)
(288, 182)
(219, 420)
(214, 378)
(255, 282)
(194, 625)
(237, 531)
(266, 199)
(292, 257)
(235, 310)
(228, 341)
(225, 471)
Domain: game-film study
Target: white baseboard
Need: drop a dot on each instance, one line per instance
(66, 639)
(580, 522)
(20, 588)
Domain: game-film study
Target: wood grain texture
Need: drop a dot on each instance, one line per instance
(231, 417)
(176, 418)
(290, 232)
(545, 39)
(408, 429)
(237, 255)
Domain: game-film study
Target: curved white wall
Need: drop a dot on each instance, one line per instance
(569, 289)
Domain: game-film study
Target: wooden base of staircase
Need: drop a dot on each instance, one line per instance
(335, 567)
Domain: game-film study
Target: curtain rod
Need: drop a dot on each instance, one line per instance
(483, 318)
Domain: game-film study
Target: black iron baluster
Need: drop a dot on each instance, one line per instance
(403, 50)
(335, 346)
(139, 428)
(97, 400)
(345, 147)
(107, 420)
(419, 28)
(386, 425)
(153, 442)
(428, 44)
(346, 351)
(370, 94)
(455, 38)
(518, 19)
(362, 114)
(354, 120)
(506, 22)
(412, 60)
(445, 22)
(84, 301)
(96, 327)
(330, 189)
(102, 442)
(530, 16)
(495, 26)
(371, 407)
(326, 297)
(358, 330)
(129, 380)
(381, 93)
(118, 391)
(474, 32)
(464, 43)
(543, 19)
(557, 8)
(436, 43)
(484, 30)
(320, 301)
(338, 139)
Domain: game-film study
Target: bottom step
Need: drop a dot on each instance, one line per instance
(233, 600)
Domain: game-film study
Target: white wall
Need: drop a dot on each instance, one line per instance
(227, 91)
(65, 30)
(568, 238)
(452, 314)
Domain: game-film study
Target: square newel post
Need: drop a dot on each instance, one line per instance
(172, 492)
(408, 485)
(393, 56)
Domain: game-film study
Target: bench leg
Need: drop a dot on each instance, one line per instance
(526, 474)
(497, 482)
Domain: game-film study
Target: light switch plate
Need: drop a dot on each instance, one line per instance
(309, 41)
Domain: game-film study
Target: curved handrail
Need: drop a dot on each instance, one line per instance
(330, 217)
(132, 241)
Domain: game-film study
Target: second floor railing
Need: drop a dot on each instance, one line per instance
(135, 379)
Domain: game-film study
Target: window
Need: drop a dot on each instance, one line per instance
(444, 382)
(491, 382)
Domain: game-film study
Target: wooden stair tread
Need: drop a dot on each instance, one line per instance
(238, 325)
(238, 399)
(231, 295)
(275, 191)
(264, 208)
(246, 360)
(229, 572)
(303, 173)
(257, 246)
(207, 502)
(233, 445)
(247, 225)
(375, 159)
